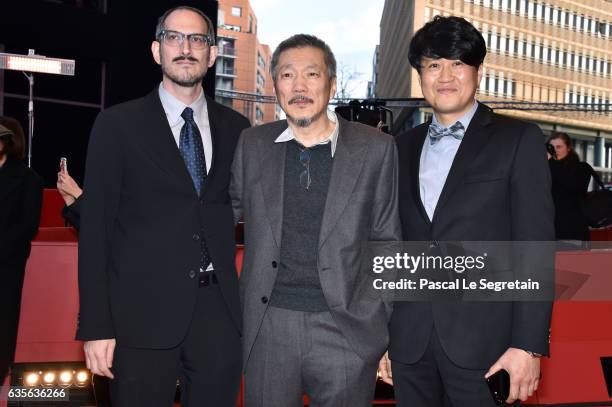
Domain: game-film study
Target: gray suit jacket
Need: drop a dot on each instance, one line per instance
(361, 206)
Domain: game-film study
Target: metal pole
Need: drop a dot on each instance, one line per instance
(30, 117)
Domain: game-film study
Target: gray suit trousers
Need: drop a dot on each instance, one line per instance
(300, 353)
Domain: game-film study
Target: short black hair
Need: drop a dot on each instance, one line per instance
(304, 40)
(449, 38)
(161, 21)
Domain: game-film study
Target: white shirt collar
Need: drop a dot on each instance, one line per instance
(288, 134)
(174, 107)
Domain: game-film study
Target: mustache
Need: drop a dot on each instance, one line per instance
(300, 99)
(185, 58)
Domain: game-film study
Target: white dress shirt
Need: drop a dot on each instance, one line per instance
(174, 107)
(288, 134)
(436, 161)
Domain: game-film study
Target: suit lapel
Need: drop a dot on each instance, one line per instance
(474, 140)
(214, 123)
(272, 179)
(415, 163)
(348, 161)
(159, 141)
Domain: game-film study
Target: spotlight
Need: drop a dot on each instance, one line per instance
(48, 379)
(31, 379)
(82, 377)
(65, 378)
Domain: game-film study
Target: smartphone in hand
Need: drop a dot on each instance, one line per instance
(499, 386)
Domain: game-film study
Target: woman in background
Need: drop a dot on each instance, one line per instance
(570, 181)
(20, 206)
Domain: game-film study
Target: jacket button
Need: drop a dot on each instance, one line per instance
(192, 273)
(264, 300)
(195, 237)
(274, 264)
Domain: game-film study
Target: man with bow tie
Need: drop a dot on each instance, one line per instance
(468, 174)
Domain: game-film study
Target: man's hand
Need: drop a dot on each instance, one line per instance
(524, 371)
(99, 356)
(384, 369)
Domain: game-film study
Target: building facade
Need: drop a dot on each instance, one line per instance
(553, 57)
(242, 68)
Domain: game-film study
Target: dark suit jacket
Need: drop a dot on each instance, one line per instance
(20, 206)
(141, 221)
(361, 205)
(498, 189)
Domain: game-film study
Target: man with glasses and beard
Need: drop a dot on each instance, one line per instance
(312, 189)
(158, 286)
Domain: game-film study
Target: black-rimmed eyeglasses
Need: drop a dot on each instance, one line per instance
(175, 39)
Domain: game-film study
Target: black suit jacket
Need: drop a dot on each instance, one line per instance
(141, 221)
(20, 207)
(498, 189)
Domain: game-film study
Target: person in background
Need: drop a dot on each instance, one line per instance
(570, 181)
(71, 194)
(20, 206)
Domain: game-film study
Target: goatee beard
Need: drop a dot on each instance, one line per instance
(188, 82)
(304, 121)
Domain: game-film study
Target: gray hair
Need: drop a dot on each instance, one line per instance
(161, 22)
(299, 41)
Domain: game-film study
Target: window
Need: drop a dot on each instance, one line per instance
(232, 27)
(260, 79)
(261, 61)
(237, 11)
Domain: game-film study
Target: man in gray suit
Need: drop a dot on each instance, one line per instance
(312, 189)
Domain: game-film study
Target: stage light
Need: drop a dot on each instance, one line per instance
(65, 378)
(48, 379)
(82, 377)
(31, 379)
(36, 63)
(28, 64)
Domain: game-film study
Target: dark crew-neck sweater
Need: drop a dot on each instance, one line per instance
(297, 286)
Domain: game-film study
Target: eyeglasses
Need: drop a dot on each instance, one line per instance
(175, 39)
(305, 179)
